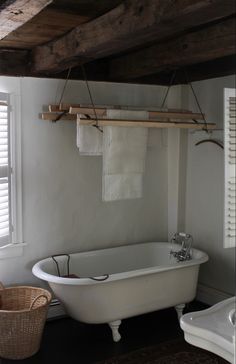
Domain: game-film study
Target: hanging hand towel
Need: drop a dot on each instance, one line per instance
(88, 140)
(124, 153)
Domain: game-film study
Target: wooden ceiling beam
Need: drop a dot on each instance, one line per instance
(99, 71)
(212, 42)
(15, 13)
(14, 62)
(17, 63)
(131, 24)
(220, 67)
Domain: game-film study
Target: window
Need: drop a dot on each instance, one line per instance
(5, 229)
(230, 166)
(10, 174)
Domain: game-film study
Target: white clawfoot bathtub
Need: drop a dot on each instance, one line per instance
(135, 279)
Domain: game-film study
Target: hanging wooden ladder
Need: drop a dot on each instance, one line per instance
(157, 118)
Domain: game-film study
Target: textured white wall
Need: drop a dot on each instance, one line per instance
(205, 189)
(62, 206)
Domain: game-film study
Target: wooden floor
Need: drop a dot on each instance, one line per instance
(68, 341)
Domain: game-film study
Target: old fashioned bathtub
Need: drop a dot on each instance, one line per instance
(121, 282)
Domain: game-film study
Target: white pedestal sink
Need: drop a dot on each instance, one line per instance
(213, 329)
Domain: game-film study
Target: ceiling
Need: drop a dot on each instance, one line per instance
(134, 41)
(54, 20)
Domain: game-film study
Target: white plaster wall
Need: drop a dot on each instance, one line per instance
(205, 189)
(62, 206)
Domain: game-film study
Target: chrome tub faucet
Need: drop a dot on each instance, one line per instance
(186, 242)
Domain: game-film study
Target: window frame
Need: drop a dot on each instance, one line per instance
(16, 243)
(5, 172)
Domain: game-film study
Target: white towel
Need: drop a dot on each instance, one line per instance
(88, 139)
(124, 154)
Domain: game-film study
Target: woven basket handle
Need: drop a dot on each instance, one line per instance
(1, 285)
(36, 298)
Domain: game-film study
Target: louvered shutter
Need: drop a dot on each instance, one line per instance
(230, 166)
(4, 172)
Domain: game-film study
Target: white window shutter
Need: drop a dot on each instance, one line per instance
(4, 172)
(230, 166)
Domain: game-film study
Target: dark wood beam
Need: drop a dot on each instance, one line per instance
(131, 24)
(210, 43)
(85, 8)
(14, 13)
(220, 67)
(14, 62)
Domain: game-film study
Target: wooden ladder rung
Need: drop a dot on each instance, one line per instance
(54, 116)
(146, 123)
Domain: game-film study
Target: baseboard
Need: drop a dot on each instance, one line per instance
(55, 310)
(210, 295)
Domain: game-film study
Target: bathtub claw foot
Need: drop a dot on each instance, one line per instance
(179, 309)
(115, 330)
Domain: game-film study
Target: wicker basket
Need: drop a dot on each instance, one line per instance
(23, 312)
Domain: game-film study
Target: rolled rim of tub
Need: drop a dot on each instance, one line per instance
(199, 257)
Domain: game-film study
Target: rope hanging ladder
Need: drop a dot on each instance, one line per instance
(91, 99)
(60, 116)
(197, 101)
(96, 115)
